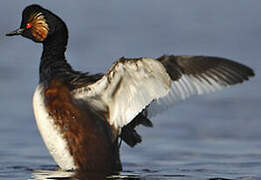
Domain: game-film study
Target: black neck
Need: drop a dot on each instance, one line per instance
(53, 62)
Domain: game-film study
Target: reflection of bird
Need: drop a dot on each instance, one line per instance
(82, 116)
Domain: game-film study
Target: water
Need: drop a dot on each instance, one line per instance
(211, 136)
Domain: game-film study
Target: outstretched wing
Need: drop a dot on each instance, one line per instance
(132, 85)
(195, 75)
(126, 89)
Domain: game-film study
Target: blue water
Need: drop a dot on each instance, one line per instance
(211, 136)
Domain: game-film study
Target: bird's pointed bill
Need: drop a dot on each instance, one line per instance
(15, 32)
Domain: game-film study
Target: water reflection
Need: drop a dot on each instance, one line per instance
(65, 175)
(81, 175)
(52, 174)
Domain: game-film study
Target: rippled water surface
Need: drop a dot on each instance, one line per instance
(211, 136)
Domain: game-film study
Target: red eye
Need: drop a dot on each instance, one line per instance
(28, 25)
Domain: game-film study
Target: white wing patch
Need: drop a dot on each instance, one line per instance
(134, 84)
(127, 88)
(183, 88)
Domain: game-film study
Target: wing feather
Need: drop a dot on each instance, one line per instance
(128, 87)
(132, 85)
(195, 75)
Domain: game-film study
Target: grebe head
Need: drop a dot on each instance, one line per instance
(39, 24)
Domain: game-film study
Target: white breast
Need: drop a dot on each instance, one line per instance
(50, 133)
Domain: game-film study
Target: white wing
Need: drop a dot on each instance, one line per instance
(195, 75)
(132, 85)
(127, 88)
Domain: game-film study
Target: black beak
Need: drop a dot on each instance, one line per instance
(16, 32)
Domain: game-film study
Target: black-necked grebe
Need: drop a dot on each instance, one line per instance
(82, 117)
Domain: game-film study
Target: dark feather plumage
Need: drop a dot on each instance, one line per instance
(221, 70)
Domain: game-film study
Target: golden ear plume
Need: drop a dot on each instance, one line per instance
(39, 26)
